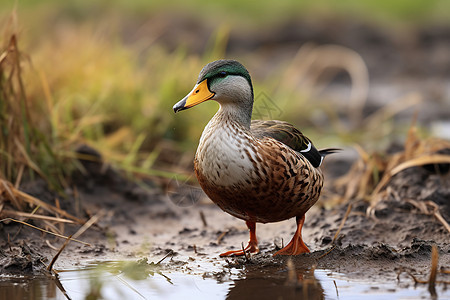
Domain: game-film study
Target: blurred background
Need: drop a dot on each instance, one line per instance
(106, 74)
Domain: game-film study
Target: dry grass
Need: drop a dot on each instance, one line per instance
(314, 67)
(432, 279)
(103, 95)
(14, 115)
(433, 271)
(80, 231)
(375, 170)
(20, 201)
(52, 222)
(107, 95)
(25, 147)
(369, 177)
(417, 152)
(53, 225)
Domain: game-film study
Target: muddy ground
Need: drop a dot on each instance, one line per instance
(151, 222)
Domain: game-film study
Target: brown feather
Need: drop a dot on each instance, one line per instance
(284, 184)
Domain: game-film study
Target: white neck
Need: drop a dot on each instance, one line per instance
(234, 94)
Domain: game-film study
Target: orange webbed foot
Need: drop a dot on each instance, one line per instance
(296, 246)
(252, 247)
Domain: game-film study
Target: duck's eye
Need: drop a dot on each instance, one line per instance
(223, 74)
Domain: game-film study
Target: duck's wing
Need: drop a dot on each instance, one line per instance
(290, 136)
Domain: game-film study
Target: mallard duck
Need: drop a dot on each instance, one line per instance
(257, 171)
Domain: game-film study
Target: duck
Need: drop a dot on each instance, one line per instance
(260, 171)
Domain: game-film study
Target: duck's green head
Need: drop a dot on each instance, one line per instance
(226, 81)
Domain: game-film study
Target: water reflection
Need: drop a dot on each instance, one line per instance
(268, 285)
(12, 288)
(177, 280)
(102, 283)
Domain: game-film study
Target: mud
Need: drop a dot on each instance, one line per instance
(139, 223)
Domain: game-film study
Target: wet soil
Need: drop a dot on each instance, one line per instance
(150, 222)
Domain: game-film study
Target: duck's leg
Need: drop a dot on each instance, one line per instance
(252, 246)
(296, 245)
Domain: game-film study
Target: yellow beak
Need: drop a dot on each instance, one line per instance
(199, 94)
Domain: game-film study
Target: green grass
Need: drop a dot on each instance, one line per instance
(84, 83)
(25, 149)
(249, 12)
(80, 87)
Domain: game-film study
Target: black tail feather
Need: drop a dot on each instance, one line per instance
(325, 152)
(328, 151)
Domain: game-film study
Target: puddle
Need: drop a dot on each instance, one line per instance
(131, 280)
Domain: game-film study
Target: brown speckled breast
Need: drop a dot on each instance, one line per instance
(278, 184)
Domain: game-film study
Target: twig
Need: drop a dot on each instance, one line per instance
(50, 245)
(89, 223)
(60, 287)
(35, 216)
(130, 287)
(50, 266)
(50, 226)
(337, 291)
(169, 253)
(77, 234)
(221, 236)
(444, 271)
(47, 207)
(11, 195)
(433, 272)
(245, 253)
(415, 278)
(328, 252)
(430, 208)
(19, 176)
(20, 228)
(441, 219)
(292, 274)
(202, 217)
(419, 161)
(46, 231)
(349, 208)
(58, 206)
(15, 193)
